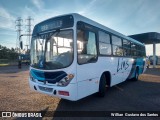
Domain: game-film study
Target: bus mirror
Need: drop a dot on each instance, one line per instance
(21, 44)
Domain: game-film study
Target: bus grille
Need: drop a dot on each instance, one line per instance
(50, 82)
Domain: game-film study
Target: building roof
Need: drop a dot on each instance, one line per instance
(147, 38)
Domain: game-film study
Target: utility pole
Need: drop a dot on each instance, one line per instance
(28, 20)
(18, 27)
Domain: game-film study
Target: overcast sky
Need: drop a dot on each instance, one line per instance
(125, 16)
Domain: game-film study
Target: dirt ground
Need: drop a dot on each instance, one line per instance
(143, 95)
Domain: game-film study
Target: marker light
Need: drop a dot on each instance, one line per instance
(65, 93)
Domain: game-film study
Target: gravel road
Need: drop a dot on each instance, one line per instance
(143, 95)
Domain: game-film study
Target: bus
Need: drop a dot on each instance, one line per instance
(73, 57)
(25, 58)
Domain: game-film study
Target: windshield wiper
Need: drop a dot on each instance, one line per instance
(42, 59)
(47, 39)
(53, 33)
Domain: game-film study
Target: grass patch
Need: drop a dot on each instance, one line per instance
(1, 65)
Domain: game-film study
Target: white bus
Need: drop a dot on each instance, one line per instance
(73, 57)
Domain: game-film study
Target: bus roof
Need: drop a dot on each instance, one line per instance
(78, 17)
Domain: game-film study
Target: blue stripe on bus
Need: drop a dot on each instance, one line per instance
(137, 62)
(140, 62)
(132, 72)
(51, 77)
(39, 75)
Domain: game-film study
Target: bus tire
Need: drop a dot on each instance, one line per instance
(102, 86)
(136, 75)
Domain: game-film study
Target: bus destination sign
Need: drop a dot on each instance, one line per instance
(54, 23)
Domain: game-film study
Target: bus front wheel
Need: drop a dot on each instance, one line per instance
(102, 86)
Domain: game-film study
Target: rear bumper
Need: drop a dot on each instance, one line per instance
(52, 90)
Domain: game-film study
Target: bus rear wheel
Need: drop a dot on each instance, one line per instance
(102, 86)
(136, 75)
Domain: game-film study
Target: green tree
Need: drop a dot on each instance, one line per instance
(6, 53)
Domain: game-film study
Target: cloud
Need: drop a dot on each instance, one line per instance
(38, 3)
(87, 8)
(39, 16)
(8, 33)
(130, 17)
(6, 19)
(145, 18)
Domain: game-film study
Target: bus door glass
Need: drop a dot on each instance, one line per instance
(87, 62)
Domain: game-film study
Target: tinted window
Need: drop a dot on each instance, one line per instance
(104, 37)
(126, 44)
(126, 51)
(126, 47)
(117, 46)
(104, 43)
(116, 41)
(87, 50)
(117, 50)
(104, 49)
(133, 49)
(133, 46)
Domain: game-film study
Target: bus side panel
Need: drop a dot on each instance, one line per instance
(145, 65)
(140, 62)
(126, 68)
(119, 68)
(87, 79)
(122, 69)
(88, 75)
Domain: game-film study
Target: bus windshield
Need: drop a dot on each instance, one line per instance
(52, 50)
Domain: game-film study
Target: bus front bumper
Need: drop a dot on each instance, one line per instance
(68, 92)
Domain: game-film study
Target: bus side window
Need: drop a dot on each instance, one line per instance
(104, 43)
(126, 47)
(87, 50)
(117, 46)
(138, 49)
(133, 49)
(80, 41)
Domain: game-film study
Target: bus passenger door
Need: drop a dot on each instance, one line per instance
(86, 67)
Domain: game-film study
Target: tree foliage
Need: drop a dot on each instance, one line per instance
(6, 53)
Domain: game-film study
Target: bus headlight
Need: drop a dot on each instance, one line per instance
(32, 78)
(66, 80)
